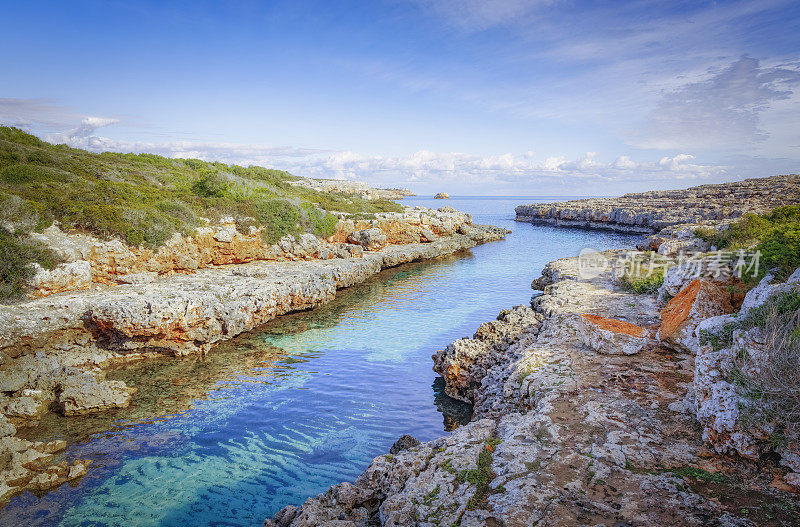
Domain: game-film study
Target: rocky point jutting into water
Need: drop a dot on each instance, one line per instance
(651, 212)
(110, 302)
(597, 405)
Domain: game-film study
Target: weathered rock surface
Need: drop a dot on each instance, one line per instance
(47, 340)
(612, 336)
(562, 435)
(370, 239)
(33, 465)
(441, 195)
(109, 262)
(464, 362)
(53, 348)
(700, 300)
(650, 212)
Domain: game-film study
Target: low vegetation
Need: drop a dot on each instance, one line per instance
(144, 199)
(768, 380)
(775, 235)
(644, 273)
(16, 255)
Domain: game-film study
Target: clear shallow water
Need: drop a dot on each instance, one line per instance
(279, 414)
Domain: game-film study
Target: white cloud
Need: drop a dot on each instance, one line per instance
(425, 169)
(721, 112)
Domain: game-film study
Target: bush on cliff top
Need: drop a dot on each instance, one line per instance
(16, 256)
(776, 235)
(769, 380)
(144, 198)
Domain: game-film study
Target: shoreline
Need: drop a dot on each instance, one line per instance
(575, 422)
(57, 363)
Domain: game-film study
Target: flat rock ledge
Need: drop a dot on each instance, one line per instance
(565, 431)
(651, 212)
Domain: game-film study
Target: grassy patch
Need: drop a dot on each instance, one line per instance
(144, 199)
(481, 476)
(644, 273)
(768, 381)
(700, 475)
(778, 306)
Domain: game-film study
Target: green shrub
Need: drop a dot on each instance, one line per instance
(145, 198)
(211, 185)
(180, 211)
(22, 173)
(15, 135)
(775, 235)
(279, 217)
(644, 284)
(16, 255)
(780, 248)
(316, 221)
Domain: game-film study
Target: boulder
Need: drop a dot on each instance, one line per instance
(404, 443)
(370, 239)
(82, 394)
(441, 195)
(610, 336)
(64, 277)
(427, 236)
(700, 300)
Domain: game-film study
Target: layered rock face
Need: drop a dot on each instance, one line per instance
(722, 404)
(566, 431)
(93, 261)
(650, 212)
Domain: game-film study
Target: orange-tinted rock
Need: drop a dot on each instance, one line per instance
(610, 336)
(616, 326)
(697, 301)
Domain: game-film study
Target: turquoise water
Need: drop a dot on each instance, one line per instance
(279, 414)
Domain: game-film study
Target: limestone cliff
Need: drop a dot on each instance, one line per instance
(651, 212)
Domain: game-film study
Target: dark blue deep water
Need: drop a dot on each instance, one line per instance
(277, 415)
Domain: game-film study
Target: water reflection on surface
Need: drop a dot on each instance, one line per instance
(279, 414)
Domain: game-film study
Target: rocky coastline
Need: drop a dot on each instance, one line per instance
(126, 304)
(596, 405)
(579, 419)
(662, 211)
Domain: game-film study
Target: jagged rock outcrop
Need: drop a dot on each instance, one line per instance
(650, 212)
(463, 363)
(562, 435)
(441, 195)
(699, 300)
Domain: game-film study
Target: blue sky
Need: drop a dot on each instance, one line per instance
(493, 97)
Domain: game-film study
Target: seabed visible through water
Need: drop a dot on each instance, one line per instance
(279, 414)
